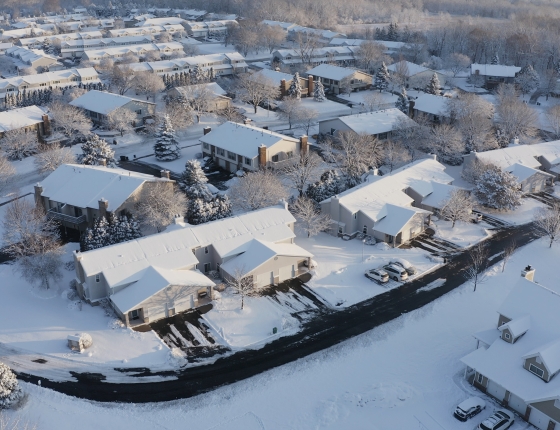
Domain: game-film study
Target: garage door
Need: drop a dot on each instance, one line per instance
(538, 419)
(517, 404)
(222, 163)
(287, 272)
(265, 279)
(496, 390)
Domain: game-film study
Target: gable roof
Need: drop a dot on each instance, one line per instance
(522, 172)
(274, 76)
(437, 192)
(494, 70)
(378, 122)
(432, 104)
(525, 155)
(517, 326)
(19, 118)
(412, 68)
(103, 102)
(331, 72)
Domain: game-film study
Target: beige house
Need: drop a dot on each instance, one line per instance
(413, 75)
(492, 75)
(219, 99)
(24, 58)
(517, 361)
(167, 49)
(75, 195)
(339, 79)
(244, 147)
(284, 81)
(32, 119)
(99, 104)
(76, 48)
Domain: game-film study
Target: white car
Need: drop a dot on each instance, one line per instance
(499, 420)
(469, 408)
(378, 275)
(398, 273)
(405, 264)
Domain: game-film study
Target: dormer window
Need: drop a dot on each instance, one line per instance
(507, 336)
(536, 370)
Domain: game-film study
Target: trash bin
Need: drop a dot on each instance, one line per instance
(274, 330)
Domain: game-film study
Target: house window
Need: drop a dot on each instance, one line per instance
(207, 267)
(340, 229)
(364, 230)
(275, 158)
(536, 370)
(221, 152)
(206, 250)
(333, 130)
(139, 112)
(480, 378)
(248, 161)
(231, 156)
(290, 154)
(206, 146)
(507, 336)
(97, 278)
(356, 215)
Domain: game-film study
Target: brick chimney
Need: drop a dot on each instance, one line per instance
(303, 147)
(528, 273)
(164, 174)
(262, 156)
(46, 125)
(38, 192)
(103, 206)
(283, 88)
(310, 86)
(206, 130)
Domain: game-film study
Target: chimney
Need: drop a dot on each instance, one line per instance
(303, 146)
(283, 203)
(282, 88)
(528, 273)
(38, 192)
(432, 156)
(46, 125)
(411, 104)
(206, 130)
(103, 206)
(164, 174)
(335, 208)
(262, 156)
(310, 86)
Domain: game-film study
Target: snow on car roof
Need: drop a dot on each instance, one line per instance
(471, 402)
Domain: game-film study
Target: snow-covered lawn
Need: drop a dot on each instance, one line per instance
(178, 165)
(522, 215)
(251, 326)
(339, 275)
(464, 234)
(403, 375)
(39, 321)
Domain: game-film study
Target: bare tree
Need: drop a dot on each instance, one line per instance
(241, 283)
(412, 137)
(272, 37)
(305, 171)
(148, 83)
(18, 144)
(548, 221)
(164, 37)
(121, 78)
(256, 89)
(457, 207)
(7, 173)
(74, 93)
(257, 190)
(345, 85)
(553, 120)
(158, 204)
(508, 253)
(180, 112)
(152, 55)
(305, 46)
(33, 240)
(129, 58)
(478, 255)
(373, 101)
(53, 156)
(230, 113)
(105, 65)
(309, 217)
(394, 154)
(457, 62)
(516, 119)
(121, 120)
(447, 143)
(368, 53)
(306, 119)
(69, 120)
(549, 82)
(290, 110)
(399, 77)
(201, 99)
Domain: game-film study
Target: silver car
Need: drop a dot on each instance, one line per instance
(378, 275)
(398, 273)
(499, 420)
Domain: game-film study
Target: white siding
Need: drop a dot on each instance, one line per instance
(538, 419)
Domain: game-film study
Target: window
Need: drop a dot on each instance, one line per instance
(507, 336)
(479, 378)
(231, 156)
(206, 146)
(248, 161)
(290, 154)
(536, 370)
(97, 278)
(275, 158)
(139, 112)
(221, 152)
(340, 229)
(364, 230)
(207, 267)
(206, 250)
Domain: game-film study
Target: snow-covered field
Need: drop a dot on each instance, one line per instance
(522, 215)
(403, 375)
(464, 234)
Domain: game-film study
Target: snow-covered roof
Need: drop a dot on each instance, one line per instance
(102, 102)
(284, 25)
(494, 70)
(517, 326)
(439, 192)
(274, 76)
(382, 121)
(522, 172)
(83, 186)
(525, 155)
(153, 30)
(395, 218)
(211, 86)
(49, 77)
(243, 139)
(107, 41)
(153, 280)
(432, 104)
(412, 68)
(259, 252)
(94, 54)
(19, 118)
(487, 336)
(160, 21)
(331, 72)
(502, 361)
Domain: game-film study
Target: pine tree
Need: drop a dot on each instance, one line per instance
(97, 236)
(193, 181)
(402, 103)
(495, 59)
(319, 91)
(167, 146)
(295, 87)
(330, 184)
(96, 152)
(109, 231)
(378, 34)
(527, 79)
(10, 391)
(433, 86)
(498, 189)
(392, 32)
(382, 77)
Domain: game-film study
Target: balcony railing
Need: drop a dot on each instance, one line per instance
(53, 214)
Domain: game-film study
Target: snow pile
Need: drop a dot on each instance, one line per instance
(177, 357)
(464, 234)
(10, 391)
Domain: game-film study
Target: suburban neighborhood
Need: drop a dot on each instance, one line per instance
(279, 214)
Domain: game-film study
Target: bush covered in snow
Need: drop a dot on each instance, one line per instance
(10, 391)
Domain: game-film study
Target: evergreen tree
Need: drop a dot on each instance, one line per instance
(392, 32)
(193, 181)
(295, 87)
(498, 189)
(109, 232)
(200, 210)
(433, 86)
(96, 152)
(319, 91)
(382, 77)
(167, 146)
(378, 34)
(527, 79)
(97, 236)
(402, 103)
(330, 184)
(557, 67)
(495, 59)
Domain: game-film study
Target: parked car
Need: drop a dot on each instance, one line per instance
(396, 272)
(378, 275)
(476, 218)
(469, 408)
(500, 420)
(313, 264)
(405, 264)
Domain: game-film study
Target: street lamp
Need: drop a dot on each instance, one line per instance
(363, 243)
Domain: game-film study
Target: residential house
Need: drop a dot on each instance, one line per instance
(244, 147)
(317, 34)
(191, 14)
(435, 108)
(535, 166)
(339, 79)
(76, 48)
(156, 276)
(168, 20)
(99, 104)
(491, 75)
(75, 195)
(517, 361)
(390, 47)
(413, 75)
(4, 47)
(24, 58)
(30, 119)
(11, 35)
(284, 81)
(379, 124)
(154, 30)
(60, 79)
(57, 39)
(341, 55)
(388, 208)
(285, 26)
(208, 29)
(219, 100)
(215, 64)
(164, 49)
